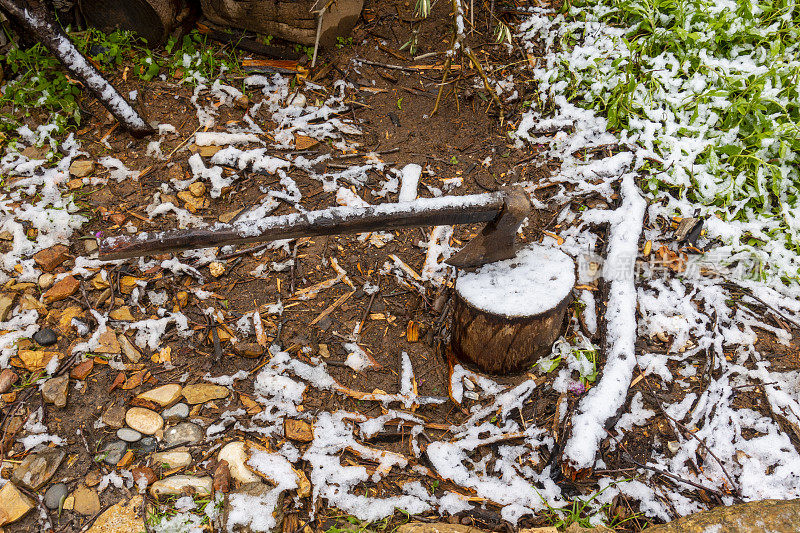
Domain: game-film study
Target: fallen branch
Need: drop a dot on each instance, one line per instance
(53, 38)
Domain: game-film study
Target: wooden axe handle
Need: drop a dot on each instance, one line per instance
(445, 210)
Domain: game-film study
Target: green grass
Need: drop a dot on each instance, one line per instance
(38, 84)
(737, 100)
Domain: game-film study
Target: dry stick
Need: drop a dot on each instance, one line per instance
(673, 476)
(49, 33)
(486, 84)
(734, 486)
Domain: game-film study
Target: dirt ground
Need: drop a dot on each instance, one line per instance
(455, 143)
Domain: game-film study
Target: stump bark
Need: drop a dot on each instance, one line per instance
(292, 20)
(149, 19)
(508, 314)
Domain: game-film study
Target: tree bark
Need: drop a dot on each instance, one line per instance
(507, 337)
(152, 20)
(292, 20)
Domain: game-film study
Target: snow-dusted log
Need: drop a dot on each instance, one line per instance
(293, 20)
(508, 314)
(150, 19)
(50, 34)
(604, 400)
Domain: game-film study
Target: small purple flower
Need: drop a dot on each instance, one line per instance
(98, 235)
(577, 388)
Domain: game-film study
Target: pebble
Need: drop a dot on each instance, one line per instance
(183, 433)
(128, 434)
(7, 379)
(128, 349)
(55, 390)
(171, 459)
(179, 411)
(163, 396)
(144, 420)
(55, 495)
(112, 453)
(173, 485)
(45, 337)
(144, 472)
(235, 453)
(145, 446)
(46, 280)
(204, 392)
(37, 469)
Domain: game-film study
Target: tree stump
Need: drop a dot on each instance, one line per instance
(287, 19)
(149, 19)
(508, 314)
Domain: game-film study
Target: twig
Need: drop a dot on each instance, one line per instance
(675, 477)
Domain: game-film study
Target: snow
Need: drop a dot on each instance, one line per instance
(533, 282)
(410, 180)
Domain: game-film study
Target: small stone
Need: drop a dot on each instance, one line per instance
(81, 168)
(55, 391)
(114, 416)
(37, 469)
(171, 459)
(93, 478)
(179, 411)
(204, 392)
(304, 142)
(45, 337)
(144, 420)
(217, 269)
(145, 446)
(62, 290)
(122, 313)
(122, 517)
(65, 318)
(35, 360)
(248, 349)
(143, 472)
(51, 258)
(128, 434)
(46, 281)
(236, 455)
(126, 460)
(90, 245)
(55, 495)
(7, 379)
(29, 303)
(197, 188)
(13, 504)
(175, 485)
(298, 100)
(184, 433)
(108, 342)
(673, 446)
(129, 349)
(192, 202)
(163, 396)
(182, 298)
(87, 502)
(113, 452)
(298, 430)
(6, 305)
(82, 371)
(128, 283)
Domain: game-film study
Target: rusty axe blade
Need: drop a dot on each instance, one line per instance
(503, 210)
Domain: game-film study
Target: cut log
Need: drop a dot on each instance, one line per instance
(292, 20)
(508, 314)
(152, 20)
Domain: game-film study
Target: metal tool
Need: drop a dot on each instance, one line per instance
(503, 210)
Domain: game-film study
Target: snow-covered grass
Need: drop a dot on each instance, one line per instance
(698, 100)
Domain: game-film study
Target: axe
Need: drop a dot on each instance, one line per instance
(504, 212)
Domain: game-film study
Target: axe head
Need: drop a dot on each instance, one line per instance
(497, 240)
